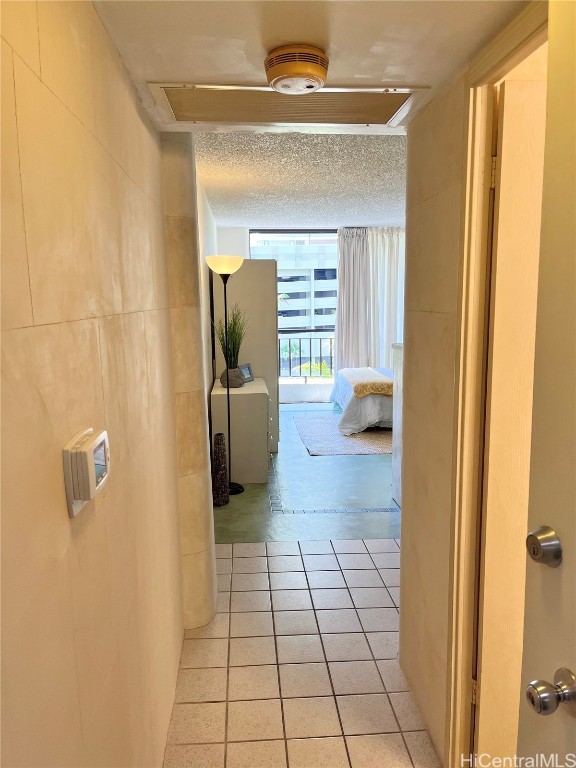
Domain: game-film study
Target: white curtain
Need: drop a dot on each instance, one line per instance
(369, 317)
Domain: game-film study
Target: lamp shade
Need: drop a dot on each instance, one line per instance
(224, 265)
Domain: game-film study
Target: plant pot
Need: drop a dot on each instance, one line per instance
(235, 376)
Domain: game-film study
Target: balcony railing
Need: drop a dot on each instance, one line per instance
(306, 354)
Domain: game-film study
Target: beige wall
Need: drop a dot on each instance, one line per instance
(515, 255)
(186, 315)
(436, 156)
(92, 624)
(551, 592)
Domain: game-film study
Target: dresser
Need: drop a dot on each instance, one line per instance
(250, 428)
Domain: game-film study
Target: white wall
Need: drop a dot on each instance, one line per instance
(234, 241)
(208, 244)
(91, 607)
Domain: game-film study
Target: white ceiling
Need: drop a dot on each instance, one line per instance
(293, 180)
(297, 179)
(369, 42)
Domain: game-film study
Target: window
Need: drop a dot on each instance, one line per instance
(324, 274)
(292, 313)
(307, 294)
(308, 261)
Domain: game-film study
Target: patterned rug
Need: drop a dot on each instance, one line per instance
(319, 433)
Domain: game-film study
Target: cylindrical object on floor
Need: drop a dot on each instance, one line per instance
(220, 489)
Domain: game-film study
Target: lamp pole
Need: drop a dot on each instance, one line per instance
(233, 488)
(226, 266)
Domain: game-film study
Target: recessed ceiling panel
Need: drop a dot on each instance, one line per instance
(370, 44)
(197, 105)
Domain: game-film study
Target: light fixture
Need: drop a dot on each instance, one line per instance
(226, 266)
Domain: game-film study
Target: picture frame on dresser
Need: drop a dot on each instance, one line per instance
(246, 371)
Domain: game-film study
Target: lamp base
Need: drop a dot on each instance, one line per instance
(235, 488)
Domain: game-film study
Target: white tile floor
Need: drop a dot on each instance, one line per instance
(299, 667)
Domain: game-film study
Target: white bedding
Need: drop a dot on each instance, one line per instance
(359, 413)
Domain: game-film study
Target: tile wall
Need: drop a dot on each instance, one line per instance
(91, 607)
(436, 157)
(190, 382)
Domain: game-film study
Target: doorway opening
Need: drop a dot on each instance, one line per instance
(502, 230)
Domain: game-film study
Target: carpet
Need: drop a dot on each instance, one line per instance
(319, 433)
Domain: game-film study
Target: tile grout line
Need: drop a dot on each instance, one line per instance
(385, 585)
(260, 741)
(364, 632)
(324, 652)
(226, 716)
(400, 731)
(276, 652)
(320, 635)
(233, 558)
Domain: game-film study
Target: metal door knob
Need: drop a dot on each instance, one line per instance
(544, 546)
(545, 698)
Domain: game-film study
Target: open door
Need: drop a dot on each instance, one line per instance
(519, 168)
(550, 603)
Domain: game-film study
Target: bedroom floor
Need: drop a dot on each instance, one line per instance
(314, 497)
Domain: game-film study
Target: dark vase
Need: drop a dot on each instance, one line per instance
(220, 489)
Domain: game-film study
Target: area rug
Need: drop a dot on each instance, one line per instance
(319, 433)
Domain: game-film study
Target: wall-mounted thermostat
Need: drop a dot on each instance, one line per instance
(86, 468)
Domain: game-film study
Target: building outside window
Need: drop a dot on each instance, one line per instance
(307, 297)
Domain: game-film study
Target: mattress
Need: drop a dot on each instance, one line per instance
(359, 413)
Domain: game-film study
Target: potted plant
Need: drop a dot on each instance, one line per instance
(237, 326)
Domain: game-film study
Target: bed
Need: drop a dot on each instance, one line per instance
(368, 410)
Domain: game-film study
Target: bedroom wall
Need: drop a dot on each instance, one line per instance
(234, 241)
(436, 157)
(208, 240)
(91, 607)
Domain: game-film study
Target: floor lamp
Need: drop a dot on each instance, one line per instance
(226, 266)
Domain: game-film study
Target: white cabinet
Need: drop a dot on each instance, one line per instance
(398, 364)
(249, 426)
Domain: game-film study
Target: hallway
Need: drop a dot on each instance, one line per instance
(299, 667)
(109, 215)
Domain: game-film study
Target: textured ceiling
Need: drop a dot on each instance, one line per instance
(268, 180)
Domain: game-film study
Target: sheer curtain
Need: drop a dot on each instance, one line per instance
(370, 310)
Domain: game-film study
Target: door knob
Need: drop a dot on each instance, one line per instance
(544, 546)
(544, 697)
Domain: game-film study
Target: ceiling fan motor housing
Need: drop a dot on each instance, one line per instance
(296, 69)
